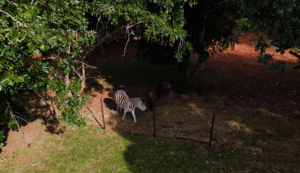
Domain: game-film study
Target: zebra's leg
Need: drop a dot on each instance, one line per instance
(124, 115)
(119, 109)
(133, 117)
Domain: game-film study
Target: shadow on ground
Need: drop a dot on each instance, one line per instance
(38, 109)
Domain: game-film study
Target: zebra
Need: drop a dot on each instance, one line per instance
(129, 104)
(158, 92)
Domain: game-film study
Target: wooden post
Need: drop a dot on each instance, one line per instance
(102, 114)
(154, 121)
(211, 131)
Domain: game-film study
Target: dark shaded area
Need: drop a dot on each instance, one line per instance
(38, 109)
(110, 104)
(92, 85)
(152, 155)
(12, 116)
(158, 92)
(256, 90)
(31, 107)
(5, 135)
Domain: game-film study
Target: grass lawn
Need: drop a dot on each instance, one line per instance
(95, 150)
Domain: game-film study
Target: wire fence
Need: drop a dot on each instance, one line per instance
(114, 107)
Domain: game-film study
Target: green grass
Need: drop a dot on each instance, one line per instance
(95, 150)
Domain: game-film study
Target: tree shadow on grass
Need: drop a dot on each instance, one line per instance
(147, 154)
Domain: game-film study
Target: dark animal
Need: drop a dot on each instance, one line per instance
(158, 91)
(129, 104)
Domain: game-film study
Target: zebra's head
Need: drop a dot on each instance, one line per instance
(139, 102)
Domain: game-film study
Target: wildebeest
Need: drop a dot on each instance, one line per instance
(129, 104)
(158, 91)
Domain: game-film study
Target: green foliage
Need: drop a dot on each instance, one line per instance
(12, 125)
(157, 18)
(278, 66)
(242, 23)
(212, 29)
(10, 113)
(261, 45)
(264, 59)
(28, 28)
(279, 19)
(70, 106)
(1, 138)
(4, 113)
(58, 29)
(150, 51)
(298, 57)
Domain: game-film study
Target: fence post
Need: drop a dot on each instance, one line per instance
(211, 131)
(102, 114)
(154, 121)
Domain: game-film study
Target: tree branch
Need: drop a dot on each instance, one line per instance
(128, 26)
(85, 64)
(11, 17)
(13, 116)
(77, 74)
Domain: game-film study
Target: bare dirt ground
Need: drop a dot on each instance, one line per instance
(257, 112)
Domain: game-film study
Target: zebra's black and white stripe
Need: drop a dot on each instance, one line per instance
(122, 99)
(129, 104)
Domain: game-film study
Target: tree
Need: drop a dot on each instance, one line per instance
(164, 22)
(208, 26)
(58, 30)
(280, 20)
(50, 28)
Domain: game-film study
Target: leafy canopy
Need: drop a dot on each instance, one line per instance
(280, 20)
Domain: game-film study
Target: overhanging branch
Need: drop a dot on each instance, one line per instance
(85, 64)
(11, 17)
(128, 26)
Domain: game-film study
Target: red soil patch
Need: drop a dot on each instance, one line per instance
(242, 61)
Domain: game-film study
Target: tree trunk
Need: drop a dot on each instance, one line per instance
(195, 77)
(67, 82)
(184, 68)
(83, 83)
(83, 77)
(202, 58)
